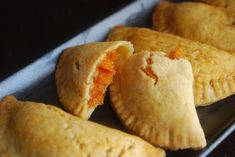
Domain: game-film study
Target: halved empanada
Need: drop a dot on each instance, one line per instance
(196, 21)
(213, 69)
(84, 72)
(29, 129)
(153, 96)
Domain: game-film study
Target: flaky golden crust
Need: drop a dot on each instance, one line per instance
(229, 5)
(221, 3)
(33, 129)
(160, 109)
(76, 70)
(213, 69)
(196, 21)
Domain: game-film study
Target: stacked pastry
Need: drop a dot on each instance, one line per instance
(144, 91)
(213, 69)
(153, 91)
(83, 73)
(211, 55)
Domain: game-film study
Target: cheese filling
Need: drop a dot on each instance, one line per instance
(106, 71)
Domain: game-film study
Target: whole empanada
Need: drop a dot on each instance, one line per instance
(213, 69)
(84, 72)
(196, 21)
(29, 129)
(153, 96)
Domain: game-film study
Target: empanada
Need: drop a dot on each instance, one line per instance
(153, 96)
(84, 72)
(29, 129)
(213, 69)
(229, 5)
(196, 21)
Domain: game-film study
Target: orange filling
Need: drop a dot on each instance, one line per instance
(150, 73)
(106, 71)
(177, 54)
(148, 70)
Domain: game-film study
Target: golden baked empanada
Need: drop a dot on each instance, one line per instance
(196, 21)
(29, 129)
(84, 72)
(153, 96)
(213, 69)
(229, 5)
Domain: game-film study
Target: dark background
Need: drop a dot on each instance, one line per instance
(29, 29)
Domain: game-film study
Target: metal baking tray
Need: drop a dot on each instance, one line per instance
(36, 82)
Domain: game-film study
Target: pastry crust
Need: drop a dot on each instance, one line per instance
(229, 5)
(213, 69)
(34, 129)
(160, 110)
(196, 21)
(221, 3)
(76, 71)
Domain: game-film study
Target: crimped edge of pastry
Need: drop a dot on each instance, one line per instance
(214, 90)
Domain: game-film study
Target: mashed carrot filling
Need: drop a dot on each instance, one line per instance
(106, 71)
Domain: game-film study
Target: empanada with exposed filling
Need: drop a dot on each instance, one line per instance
(29, 129)
(84, 72)
(196, 21)
(153, 96)
(213, 69)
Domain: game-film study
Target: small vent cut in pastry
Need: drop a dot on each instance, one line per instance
(29, 129)
(84, 72)
(213, 69)
(196, 21)
(153, 96)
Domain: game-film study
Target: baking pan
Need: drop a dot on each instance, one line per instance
(36, 82)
